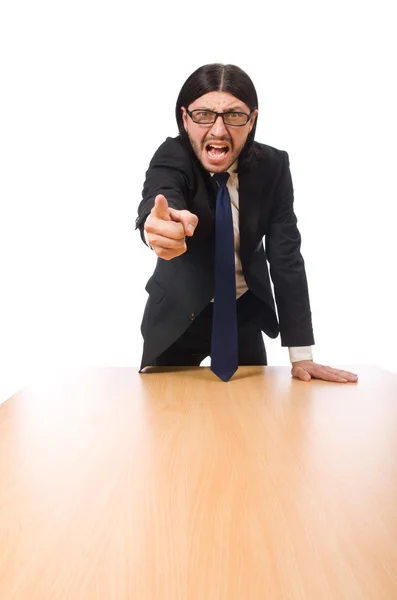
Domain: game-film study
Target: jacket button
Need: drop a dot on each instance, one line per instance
(192, 316)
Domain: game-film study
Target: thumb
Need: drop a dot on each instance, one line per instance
(301, 373)
(188, 220)
(160, 209)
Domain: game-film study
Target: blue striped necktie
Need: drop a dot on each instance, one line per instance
(224, 346)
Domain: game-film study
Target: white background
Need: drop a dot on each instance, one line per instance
(88, 91)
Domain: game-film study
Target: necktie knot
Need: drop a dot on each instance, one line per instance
(221, 178)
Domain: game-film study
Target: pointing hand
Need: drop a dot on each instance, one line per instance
(166, 229)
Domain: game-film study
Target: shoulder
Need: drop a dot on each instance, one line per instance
(171, 153)
(264, 152)
(269, 162)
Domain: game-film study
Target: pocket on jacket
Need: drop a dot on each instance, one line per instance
(155, 290)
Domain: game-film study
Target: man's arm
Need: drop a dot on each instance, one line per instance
(287, 267)
(163, 219)
(167, 175)
(290, 286)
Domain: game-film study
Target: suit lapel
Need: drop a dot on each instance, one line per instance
(251, 186)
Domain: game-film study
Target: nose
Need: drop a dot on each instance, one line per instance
(218, 129)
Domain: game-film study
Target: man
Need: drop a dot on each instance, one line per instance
(210, 197)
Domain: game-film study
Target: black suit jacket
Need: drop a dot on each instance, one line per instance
(179, 289)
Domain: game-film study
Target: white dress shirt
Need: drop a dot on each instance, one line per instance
(295, 353)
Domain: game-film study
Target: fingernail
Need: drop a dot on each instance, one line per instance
(190, 229)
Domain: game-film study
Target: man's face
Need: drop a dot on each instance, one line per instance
(217, 146)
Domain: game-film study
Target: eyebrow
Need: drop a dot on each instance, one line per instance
(231, 109)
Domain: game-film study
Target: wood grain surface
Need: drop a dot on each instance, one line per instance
(172, 485)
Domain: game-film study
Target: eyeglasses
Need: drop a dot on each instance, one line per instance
(208, 117)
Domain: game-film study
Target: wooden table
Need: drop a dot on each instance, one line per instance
(172, 485)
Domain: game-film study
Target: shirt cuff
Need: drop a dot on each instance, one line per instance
(145, 234)
(300, 353)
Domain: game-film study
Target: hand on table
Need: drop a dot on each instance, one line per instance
(167, 227)
(306, 369)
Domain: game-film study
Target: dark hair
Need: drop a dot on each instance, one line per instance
(217, 77)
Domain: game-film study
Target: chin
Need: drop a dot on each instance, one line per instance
(213, 168)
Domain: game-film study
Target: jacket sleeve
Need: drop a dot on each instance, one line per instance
(287, 268)
(168, 174)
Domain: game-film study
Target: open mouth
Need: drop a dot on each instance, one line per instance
(217, 151)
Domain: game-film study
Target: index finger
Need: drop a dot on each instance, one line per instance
(327, 373)
(160, 209)
(342, 373)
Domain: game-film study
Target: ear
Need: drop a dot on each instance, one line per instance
(185, 117)
(253, 118)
